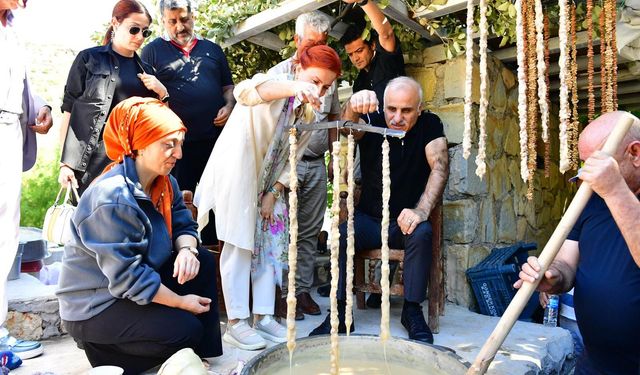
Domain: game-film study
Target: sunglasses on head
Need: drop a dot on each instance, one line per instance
(134, 30)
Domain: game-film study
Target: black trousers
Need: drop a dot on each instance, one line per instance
(139, 337)
(188, 170)
(417, 252)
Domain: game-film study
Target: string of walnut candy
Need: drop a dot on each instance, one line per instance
(603, 58)
(614, 47)
(591, 93)
(384, 235)
(542, 71)
(468, 83)
(607, 21)
(484, 102)
(293, 242)
(608, 98)
(547, 145)
(575, 121)
(564, 113)
(525, 26)
(608, 4)
(348, 319)
(522, 91)
(532, 91)
(335, 250)
(610, 59)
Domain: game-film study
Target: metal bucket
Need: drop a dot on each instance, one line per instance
(359, 354)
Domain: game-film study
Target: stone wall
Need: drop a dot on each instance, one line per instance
(481, 214)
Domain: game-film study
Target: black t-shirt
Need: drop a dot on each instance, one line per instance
(384, 67)
(409, 169)
(128, 84)
(607, 292)
(195, 83)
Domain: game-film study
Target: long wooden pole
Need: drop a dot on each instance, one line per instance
(511, 314)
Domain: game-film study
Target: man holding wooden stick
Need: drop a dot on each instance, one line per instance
(601, 255)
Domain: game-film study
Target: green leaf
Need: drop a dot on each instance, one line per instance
(456, 47)
(365, 34)
(504, 6)
(504, 41)
(512, 11)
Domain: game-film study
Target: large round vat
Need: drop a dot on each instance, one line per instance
(359, 354)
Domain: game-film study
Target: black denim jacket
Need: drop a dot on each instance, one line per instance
(87, 96)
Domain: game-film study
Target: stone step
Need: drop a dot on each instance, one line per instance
(33, 309)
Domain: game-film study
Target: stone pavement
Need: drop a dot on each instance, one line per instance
(529, 349)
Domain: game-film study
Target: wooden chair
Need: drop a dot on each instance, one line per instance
(216, 249)
(435, 291)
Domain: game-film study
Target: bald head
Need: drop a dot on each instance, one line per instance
(595, 134)
(404, 83)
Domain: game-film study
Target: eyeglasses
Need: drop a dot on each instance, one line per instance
(22, 3)
(134, 30)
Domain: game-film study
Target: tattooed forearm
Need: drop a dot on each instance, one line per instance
(438, 159)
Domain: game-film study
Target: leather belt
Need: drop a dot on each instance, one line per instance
(311, 158)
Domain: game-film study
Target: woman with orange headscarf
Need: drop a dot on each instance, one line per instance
(244, 183)
(134, 287)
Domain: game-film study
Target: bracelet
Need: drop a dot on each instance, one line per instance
(362, 3)
(275, 192)
(191, 249)
(165, 98)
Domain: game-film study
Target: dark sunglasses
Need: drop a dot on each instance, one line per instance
(134, 30)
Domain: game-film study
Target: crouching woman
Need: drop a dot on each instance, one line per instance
(134, 287)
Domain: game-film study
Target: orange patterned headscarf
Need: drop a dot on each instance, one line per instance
(134, 124)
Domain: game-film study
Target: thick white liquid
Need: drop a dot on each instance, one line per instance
(320, 366)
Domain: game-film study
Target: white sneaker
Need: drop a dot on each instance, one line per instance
(268, 328)
(243, 336)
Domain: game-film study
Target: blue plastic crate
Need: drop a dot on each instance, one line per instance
(492, 279)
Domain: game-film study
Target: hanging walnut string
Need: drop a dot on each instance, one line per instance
(575, 120)
(348, 319)
(564, 91)
(484, 102)
(335, 250)
(603, 57)
(468, 83)
(607, 84)
(384, 235)
(522, 91)
(591, 93)
(532, 89)
(542, 71)
(293, 242)
(547, 144)
(614, 48)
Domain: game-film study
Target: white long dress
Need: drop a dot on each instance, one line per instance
(229, 182)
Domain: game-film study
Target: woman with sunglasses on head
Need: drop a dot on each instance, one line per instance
(100, 78)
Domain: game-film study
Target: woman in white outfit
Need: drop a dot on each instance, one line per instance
(244, 181)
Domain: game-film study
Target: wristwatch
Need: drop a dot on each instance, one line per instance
(165, 98)
(275, 192)
(362, 3)
(190, 248)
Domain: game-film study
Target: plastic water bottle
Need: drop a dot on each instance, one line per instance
(551, 312)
